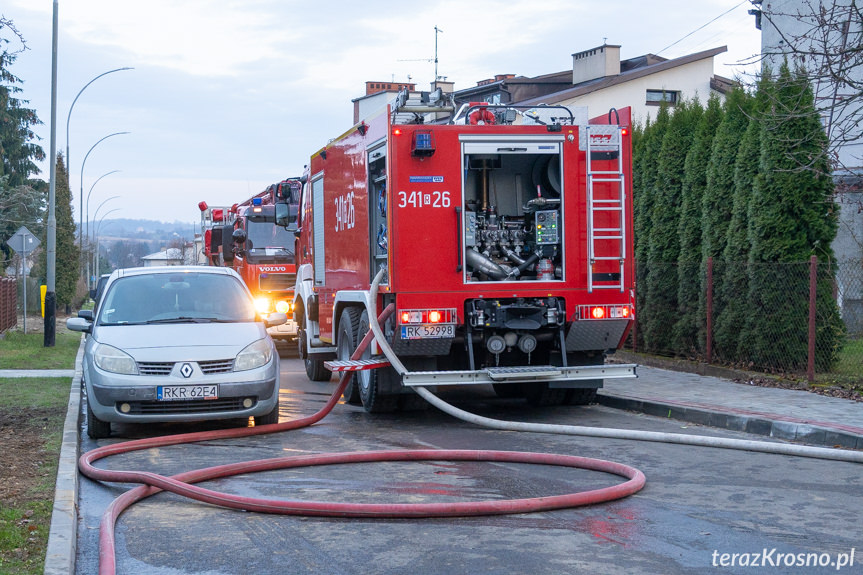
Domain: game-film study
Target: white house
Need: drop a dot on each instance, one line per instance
(600, 80)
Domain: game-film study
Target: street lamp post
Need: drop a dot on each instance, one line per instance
(89, 241)
(96, 237)
(87, 203)
(69, 117)
(81, 205)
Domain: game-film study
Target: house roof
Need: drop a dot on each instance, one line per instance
(629, 70)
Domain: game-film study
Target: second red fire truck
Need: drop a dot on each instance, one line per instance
(245, 236)
(504, 238)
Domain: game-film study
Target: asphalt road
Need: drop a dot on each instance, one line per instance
(699, 503)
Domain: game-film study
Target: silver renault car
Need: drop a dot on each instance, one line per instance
(178, 343)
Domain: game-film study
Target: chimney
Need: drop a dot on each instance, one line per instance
(595, 63)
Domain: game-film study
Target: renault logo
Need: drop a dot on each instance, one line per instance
(186, 370)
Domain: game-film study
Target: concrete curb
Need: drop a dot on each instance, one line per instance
(63, 537)
(780, 427)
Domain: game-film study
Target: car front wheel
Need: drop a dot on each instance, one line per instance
(96, 428)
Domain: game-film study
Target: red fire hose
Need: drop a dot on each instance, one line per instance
(183, 483)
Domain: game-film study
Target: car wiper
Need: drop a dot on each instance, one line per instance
(182, 319)
(187, 319)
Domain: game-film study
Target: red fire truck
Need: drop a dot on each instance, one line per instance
(505, 240)
(246, 237)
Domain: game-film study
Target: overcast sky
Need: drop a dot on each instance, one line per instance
(228, 97)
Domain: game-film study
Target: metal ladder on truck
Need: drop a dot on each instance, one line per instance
(606, 217)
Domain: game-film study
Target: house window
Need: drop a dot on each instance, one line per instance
(656, 97)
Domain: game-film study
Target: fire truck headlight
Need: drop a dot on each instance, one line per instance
(283, 307)
(262, 304)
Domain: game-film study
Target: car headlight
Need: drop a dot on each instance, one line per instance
(254, 355)
(109, 358)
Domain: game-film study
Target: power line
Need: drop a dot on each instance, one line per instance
(702, 26)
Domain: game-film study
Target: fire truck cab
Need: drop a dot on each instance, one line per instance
(262, 252)
(504, 239)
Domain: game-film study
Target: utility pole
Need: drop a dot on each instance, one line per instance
(436, 32)
(51, 259)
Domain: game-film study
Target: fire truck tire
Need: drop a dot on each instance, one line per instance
(508, 390)
(349, 324)
(411, 401)
(376, 386)
(580, 396)
(584, 396)
(542, 395)
(316, 371)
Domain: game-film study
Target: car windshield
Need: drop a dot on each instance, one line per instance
(176, 298)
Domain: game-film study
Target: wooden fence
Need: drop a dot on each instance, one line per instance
(8, 303)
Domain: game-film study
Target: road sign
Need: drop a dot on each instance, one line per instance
(23, 241)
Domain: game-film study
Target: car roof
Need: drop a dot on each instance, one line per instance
(127, 272)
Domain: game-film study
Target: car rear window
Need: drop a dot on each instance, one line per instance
(181, 296)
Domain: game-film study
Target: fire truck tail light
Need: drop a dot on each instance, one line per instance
(418, 316)
(605, 311)
(283, 306)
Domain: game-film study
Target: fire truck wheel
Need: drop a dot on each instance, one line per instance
(580, 396)
(508, 390)
(347, 344)
(412, 402)
(316, 371)
(375, 385)
(541, 395)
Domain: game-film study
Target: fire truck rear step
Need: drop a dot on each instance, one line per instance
(356, 364)
(546, 373)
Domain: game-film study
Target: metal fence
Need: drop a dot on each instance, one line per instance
(796, 319)
(8, 303)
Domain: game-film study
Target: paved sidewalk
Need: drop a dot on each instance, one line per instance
(789, 414)
(9, 373)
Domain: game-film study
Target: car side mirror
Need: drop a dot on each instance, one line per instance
(276, 318)
(79, 324)
(86, 314)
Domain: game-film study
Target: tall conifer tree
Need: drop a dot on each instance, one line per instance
(793, 217)
(689, 323)
(660, 307)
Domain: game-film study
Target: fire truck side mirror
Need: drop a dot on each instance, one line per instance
(286, 214)
(239, 236)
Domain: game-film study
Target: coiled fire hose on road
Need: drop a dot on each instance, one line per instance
(183, 483)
